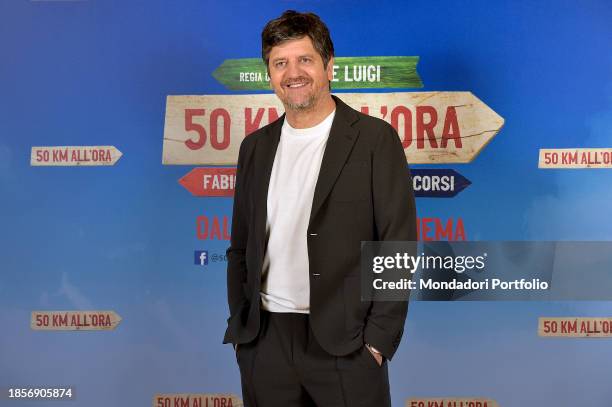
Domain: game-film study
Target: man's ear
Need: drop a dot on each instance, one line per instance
(330, 69)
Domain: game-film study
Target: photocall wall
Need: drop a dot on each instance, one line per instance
(120, 124)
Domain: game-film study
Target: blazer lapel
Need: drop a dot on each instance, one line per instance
(341, 139)
(265, 151)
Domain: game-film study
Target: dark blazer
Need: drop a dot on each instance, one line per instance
(363, 193)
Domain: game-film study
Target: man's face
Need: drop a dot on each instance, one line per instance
(297, 74)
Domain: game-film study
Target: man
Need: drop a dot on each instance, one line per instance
(310, 187)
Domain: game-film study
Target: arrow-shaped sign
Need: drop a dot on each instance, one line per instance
(575, 158)
(434, 127)
(575, 327)
(210, 181)
(349, 73)
(451, 401)
(437, 183)
(74, 320)
(427, 183)
(197, 400)
(74, 156)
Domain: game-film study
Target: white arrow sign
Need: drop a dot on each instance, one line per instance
(434, 127)
(74, 155)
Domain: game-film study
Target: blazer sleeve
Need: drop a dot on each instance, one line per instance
(236, 253)
(395, 219)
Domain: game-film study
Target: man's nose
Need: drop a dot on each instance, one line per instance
(293, 69)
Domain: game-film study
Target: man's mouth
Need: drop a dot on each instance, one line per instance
(296, 85)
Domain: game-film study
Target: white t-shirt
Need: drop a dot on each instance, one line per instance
(285, 283)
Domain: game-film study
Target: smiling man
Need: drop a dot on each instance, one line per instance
(309, 188)
(300, 77)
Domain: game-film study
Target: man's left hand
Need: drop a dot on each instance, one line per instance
(377, 356)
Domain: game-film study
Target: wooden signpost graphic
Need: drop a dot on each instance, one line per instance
(451, 402)
(575, 158)
(434, 127)
(74, 320)
(575, 327)
(197, 400)
(348, 73)
(74, 156)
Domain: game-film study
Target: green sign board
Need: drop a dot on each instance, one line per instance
(349, 73)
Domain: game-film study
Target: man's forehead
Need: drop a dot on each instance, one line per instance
(301, 46)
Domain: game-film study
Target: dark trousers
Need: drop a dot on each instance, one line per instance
(285, 366)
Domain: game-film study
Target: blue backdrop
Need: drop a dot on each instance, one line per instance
(122, 238)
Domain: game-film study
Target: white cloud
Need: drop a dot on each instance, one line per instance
(580, 209)
(73, 294)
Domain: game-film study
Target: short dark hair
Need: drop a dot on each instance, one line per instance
(292, 25)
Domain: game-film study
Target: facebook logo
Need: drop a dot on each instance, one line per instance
(201, 257)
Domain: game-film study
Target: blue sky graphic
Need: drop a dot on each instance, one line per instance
(122, 237)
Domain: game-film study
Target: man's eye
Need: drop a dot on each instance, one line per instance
(307, 60)
(280, 64)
